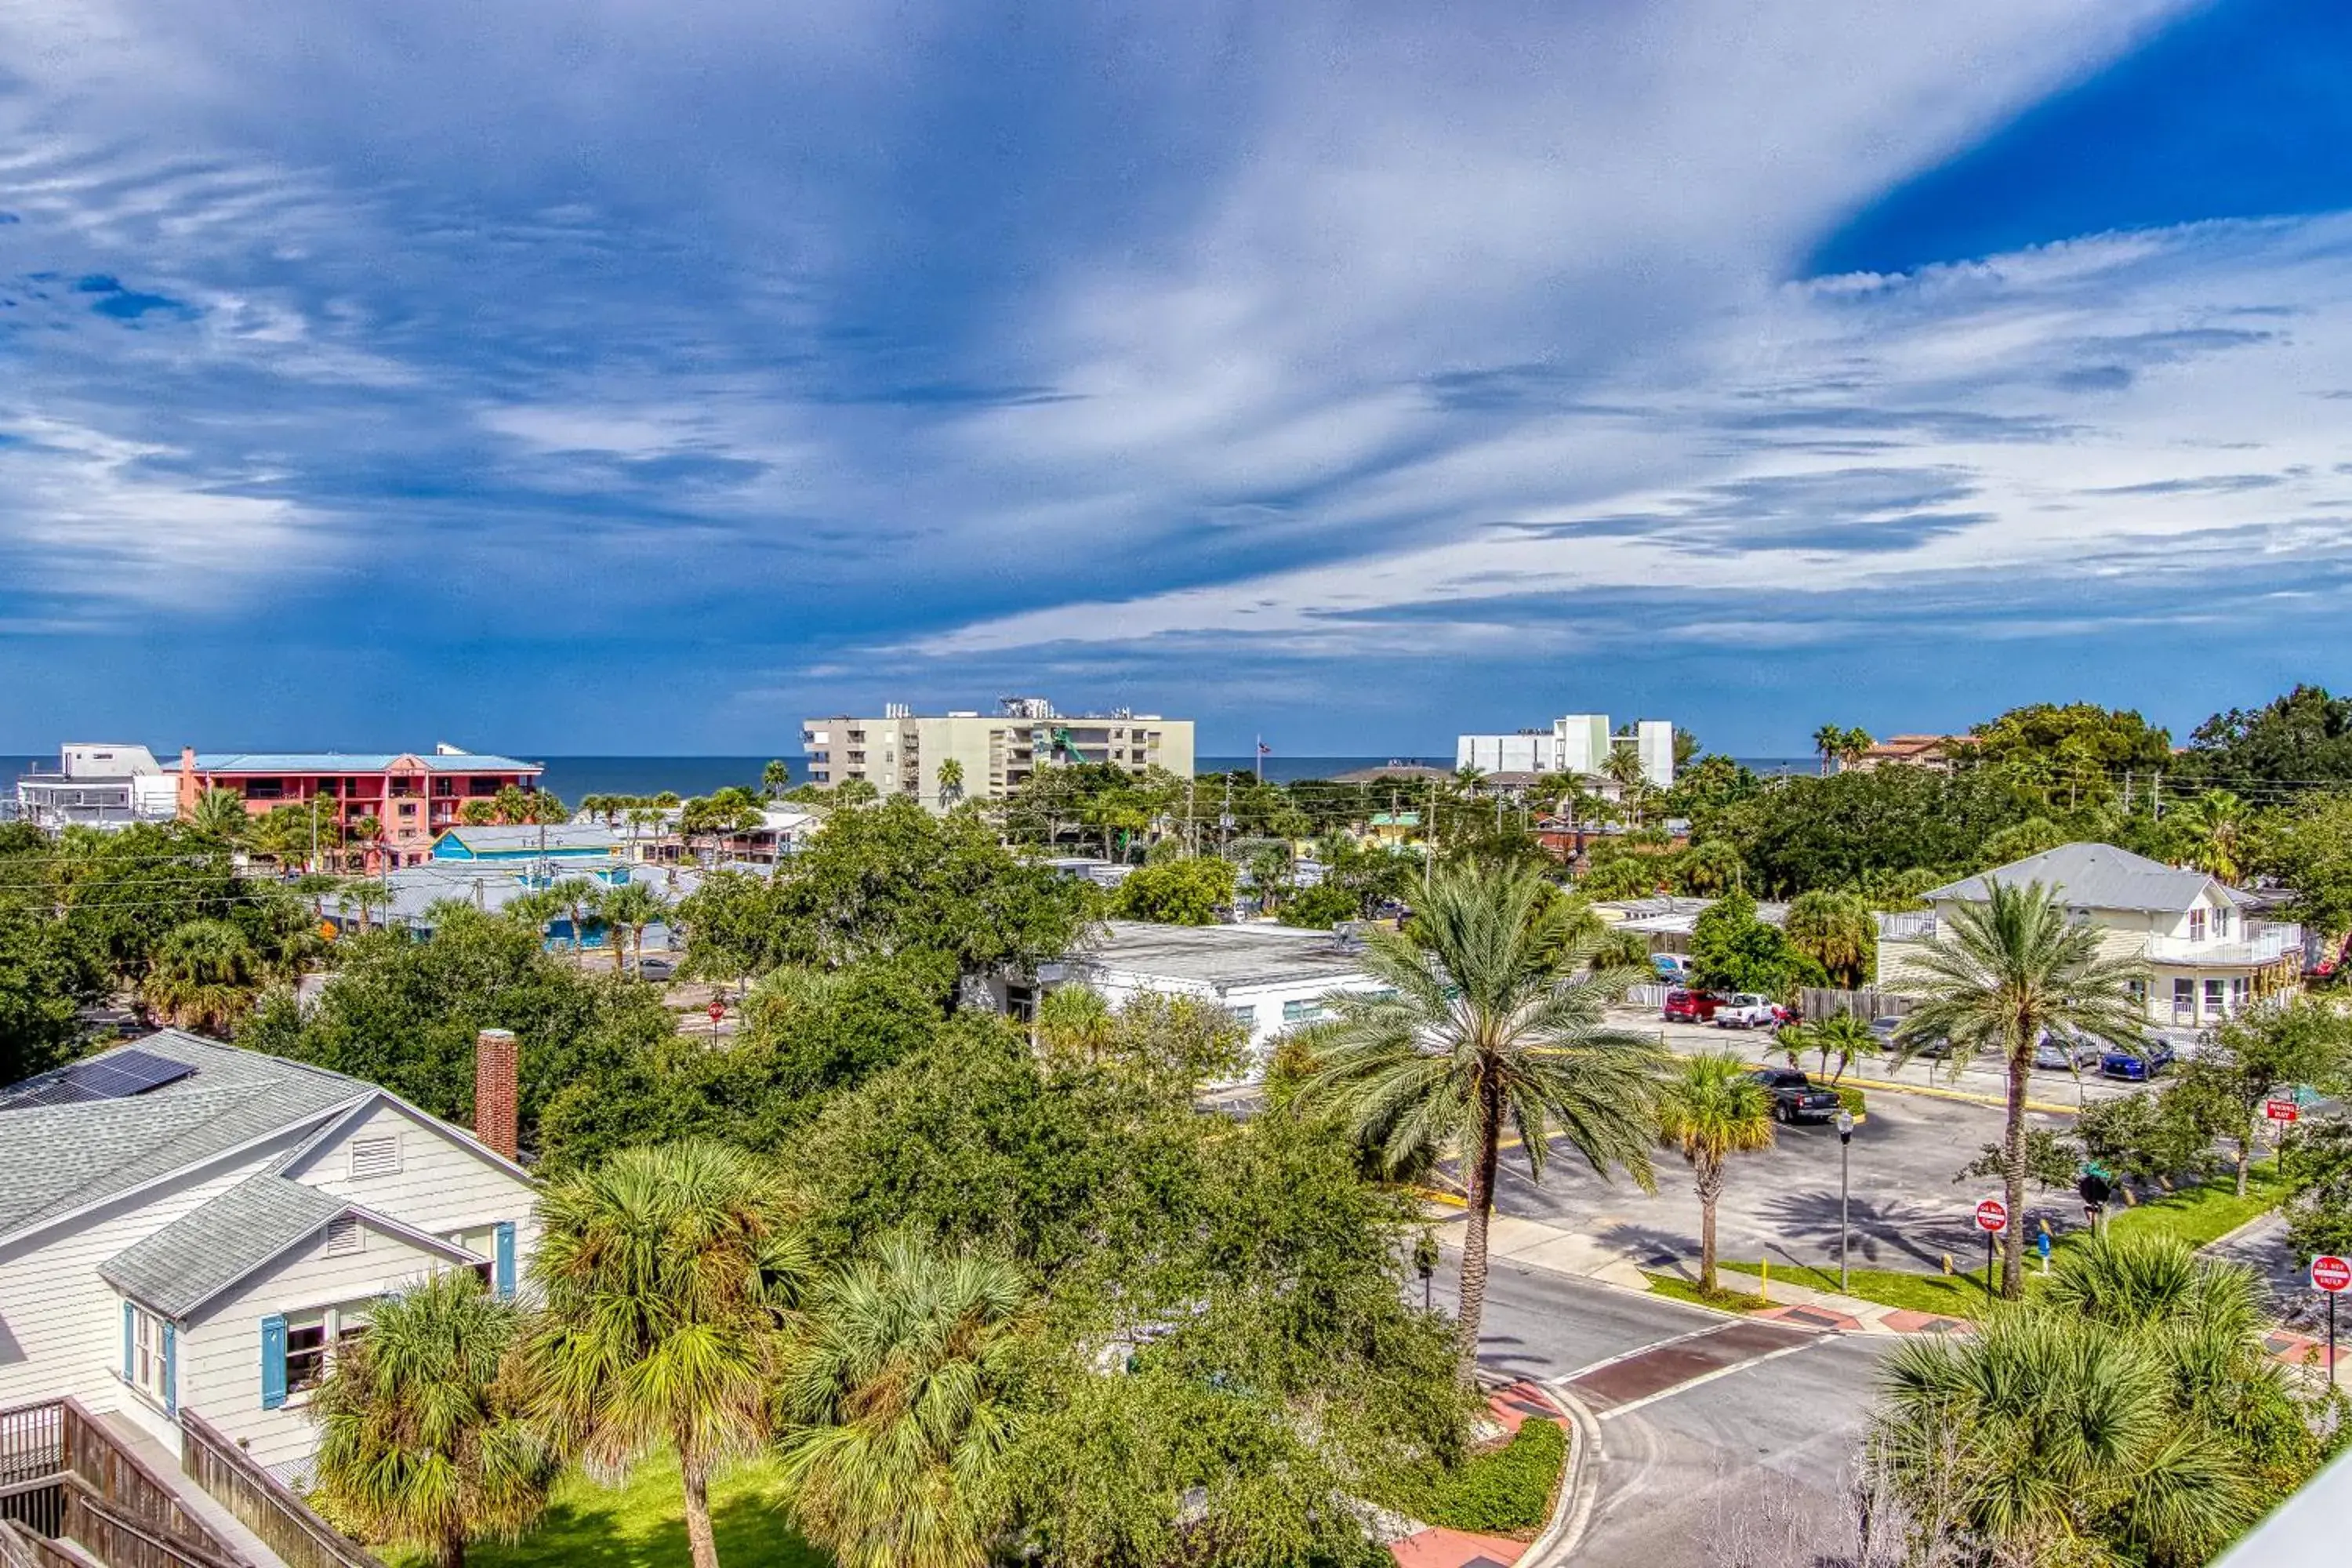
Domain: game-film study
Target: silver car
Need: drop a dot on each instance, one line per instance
(2067, 1053)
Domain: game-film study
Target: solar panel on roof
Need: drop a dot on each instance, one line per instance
(118, 1075)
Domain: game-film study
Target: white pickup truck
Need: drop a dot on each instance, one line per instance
(1747, 1010)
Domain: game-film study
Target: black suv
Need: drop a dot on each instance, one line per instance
(1795, 1097)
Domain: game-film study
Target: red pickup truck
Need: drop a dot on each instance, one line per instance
(1691, 1006)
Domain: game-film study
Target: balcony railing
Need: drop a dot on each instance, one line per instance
(1907, 925)
(62, 1475)
(2262, 944)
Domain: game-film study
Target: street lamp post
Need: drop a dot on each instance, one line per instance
(1846, 1151)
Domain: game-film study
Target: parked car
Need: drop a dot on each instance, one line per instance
(655, 967)
(1884, 1027)
(1747, 1010)
(1685, 1006)
(1671, 967)
(2068, 1053)
(1795, 1097)
(2136, 1065)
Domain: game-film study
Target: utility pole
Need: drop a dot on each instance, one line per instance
(1429, 843)
(2156, 795)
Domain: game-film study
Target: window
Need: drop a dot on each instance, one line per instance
(147, 1359)
(2241, 989)
(1302, 1012)
(1021, 1004)
(306, 1350)
(344, 1234)
(2197, 925)
(2222, 924)
(376, 1156)
(2213, 997)
(2184, 999)
(1245, 1016)
(482, 1241)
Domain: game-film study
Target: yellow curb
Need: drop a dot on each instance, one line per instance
(1961, 1095)
(1431, 1194)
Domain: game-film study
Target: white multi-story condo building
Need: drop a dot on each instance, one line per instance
(903, 754)
(1578, 743)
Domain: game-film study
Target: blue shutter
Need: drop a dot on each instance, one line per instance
(273, 1363)
(503, 1274)
(170, 1371)
(127, 1310)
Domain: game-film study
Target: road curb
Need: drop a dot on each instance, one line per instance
(1960, 1096)
(1579, 1488)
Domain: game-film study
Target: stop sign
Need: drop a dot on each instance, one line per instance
(1992, 1214)
(2330, 1274)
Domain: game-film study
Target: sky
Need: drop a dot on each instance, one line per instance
(567, 376)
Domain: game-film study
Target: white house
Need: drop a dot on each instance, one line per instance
(1269, 977)
(187, 1226)
(2206, 958)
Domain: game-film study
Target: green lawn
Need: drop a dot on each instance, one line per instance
(1950, 1296)
(1682, 1289)
(2199, 1215)
(643, 1525)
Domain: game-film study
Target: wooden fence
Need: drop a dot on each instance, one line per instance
(261, 1502)
(66, 1476)
(1817, 1003)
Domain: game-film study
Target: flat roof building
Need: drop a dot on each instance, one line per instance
(1576, 743)
(412, 795)
(98, 784)
(993, 754)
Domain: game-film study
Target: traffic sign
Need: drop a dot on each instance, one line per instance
(1992, 1216)
(2280, 1110)
(717, 1010)
(2330, 1274)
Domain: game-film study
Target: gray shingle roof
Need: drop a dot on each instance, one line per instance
(2094, 876)
(57, 1159)
(206, 1250)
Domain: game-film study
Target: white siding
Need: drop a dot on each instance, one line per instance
(443, 1184)
(220, 1347)
(63, 1323)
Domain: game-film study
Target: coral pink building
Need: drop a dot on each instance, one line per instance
(414, 795)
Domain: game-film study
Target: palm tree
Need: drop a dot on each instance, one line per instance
(2004, 973)
(1074, 1024)
(669, 1276)
(534, 909)
(511, 804)
(1852, 744)
(1837, 931)
(1842, 1035)
(1709, 1110)
(775, 778)
(1488, 1025)
(2131, 1409)
(1828, 742)
(204, 976)
(951, 781)
(479, 813)
(363, 894)
(627, 909)
(898, 1409)
(423, 1432)
(221, 813)
(578, 897)
(2216, 822)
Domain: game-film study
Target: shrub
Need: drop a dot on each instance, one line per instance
(1504, 1489)
(1851, 1099)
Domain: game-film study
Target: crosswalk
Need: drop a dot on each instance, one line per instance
(1624, 1384)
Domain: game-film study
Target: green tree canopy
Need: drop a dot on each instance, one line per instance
(1186, 891)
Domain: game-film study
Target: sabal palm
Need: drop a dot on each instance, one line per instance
(576, 896)
(1843, 1036)
(204, 976)
(2133, 1406)
(1488, 1025)
(2217, 820)
(627, 909)
(1709, 1109)
(669, 1277)
(2001, 973)
(898, 1412)
(422, 1436)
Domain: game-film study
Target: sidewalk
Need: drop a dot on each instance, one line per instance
(1433, 1546)
(1556, 1251)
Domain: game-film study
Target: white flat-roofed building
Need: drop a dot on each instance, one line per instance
(1271, 978)
(99, 784)
(1576, 743)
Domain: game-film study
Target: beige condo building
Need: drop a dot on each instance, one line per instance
(902, 753)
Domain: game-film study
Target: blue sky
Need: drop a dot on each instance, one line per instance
(630, 376)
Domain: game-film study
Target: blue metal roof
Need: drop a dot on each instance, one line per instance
(353, 762)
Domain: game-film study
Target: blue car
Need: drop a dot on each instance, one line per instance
(2136, 1066)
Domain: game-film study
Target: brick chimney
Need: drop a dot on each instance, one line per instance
(495, 1090)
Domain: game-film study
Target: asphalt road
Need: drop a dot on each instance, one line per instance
(1683, 1470)
(1906, 1209)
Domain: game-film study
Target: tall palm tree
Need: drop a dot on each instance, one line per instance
(1486, 1025)
(2002, 973)
(669, 1276)
(898, 1414)
(579, 898)
(951, 781)
(1841, 1035)
(204, 976)
(627, 909)
(221, 813)
(1709, 1109)
(1828, 742)
(364, 894)
(423, 1434)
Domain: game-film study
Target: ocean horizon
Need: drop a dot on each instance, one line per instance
(571, 777)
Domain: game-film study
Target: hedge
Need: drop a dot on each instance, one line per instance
(1504, 1489)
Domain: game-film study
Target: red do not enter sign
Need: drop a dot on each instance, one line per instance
(2331, 1274)
(1992, 1216)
